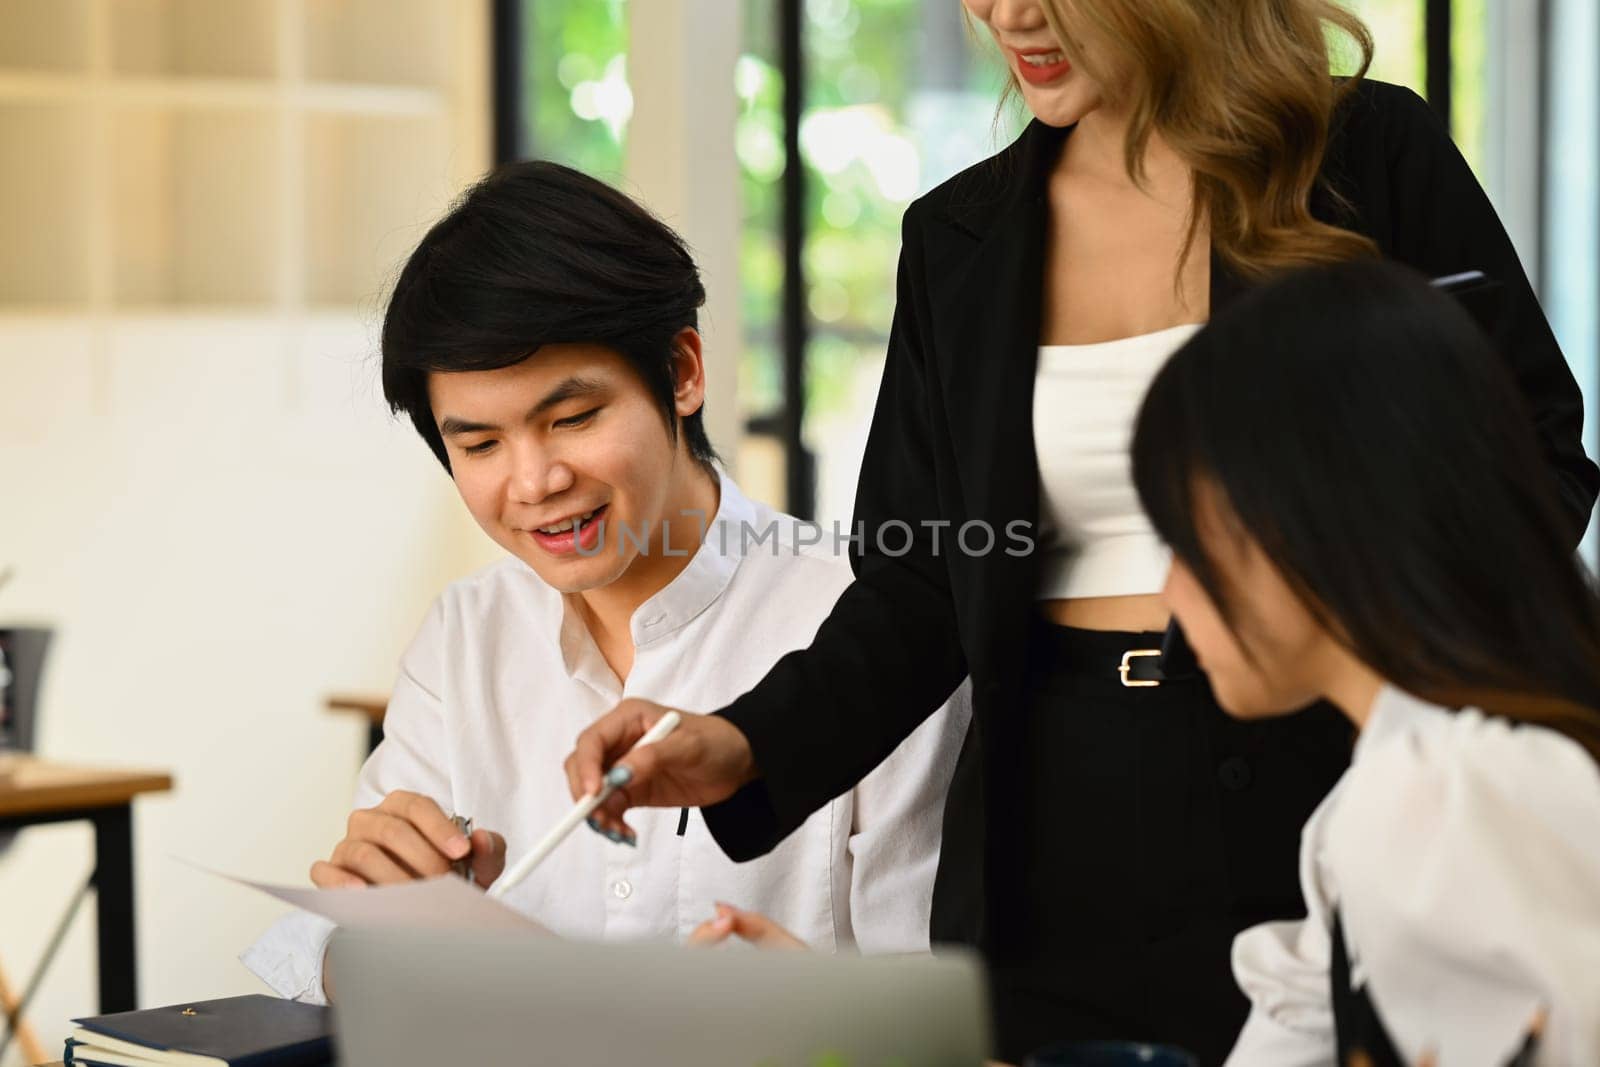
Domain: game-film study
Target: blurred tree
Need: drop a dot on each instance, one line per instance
(575, 83)
(900, 94)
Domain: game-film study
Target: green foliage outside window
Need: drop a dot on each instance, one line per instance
(899, 95)
(575, 91)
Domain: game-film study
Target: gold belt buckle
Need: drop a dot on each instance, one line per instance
(1123, 668)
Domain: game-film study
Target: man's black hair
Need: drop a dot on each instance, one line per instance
(535, 254)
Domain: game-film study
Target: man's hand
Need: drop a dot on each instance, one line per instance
(404, 838)
(750, 926)
(706, 759)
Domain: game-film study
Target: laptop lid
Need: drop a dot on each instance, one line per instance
(424, 998)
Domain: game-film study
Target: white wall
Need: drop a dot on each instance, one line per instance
(215, 509)
(226, 525)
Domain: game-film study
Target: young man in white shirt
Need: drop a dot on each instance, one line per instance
(542, 340)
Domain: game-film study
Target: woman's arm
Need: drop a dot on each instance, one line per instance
(1443, 223)
(886, 657)
(890, 652)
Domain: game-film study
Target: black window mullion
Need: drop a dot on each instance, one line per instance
(506, 47)
(794, 327)
(1437, 43)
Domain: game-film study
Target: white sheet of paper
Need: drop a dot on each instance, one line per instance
(448, 902)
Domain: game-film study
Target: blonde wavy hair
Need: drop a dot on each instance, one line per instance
(1243, 91)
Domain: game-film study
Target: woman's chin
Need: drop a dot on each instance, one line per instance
(1059, 106)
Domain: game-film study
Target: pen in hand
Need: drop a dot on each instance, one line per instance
(578, 814)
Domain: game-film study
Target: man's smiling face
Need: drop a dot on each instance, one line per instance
(542, 451)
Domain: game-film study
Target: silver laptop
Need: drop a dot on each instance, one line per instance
(414, 998)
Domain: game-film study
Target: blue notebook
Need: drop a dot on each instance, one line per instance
(250, 1031)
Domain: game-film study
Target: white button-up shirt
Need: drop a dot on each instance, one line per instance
(1462, 854)
(502, 678)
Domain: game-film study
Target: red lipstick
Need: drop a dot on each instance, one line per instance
(1035, 74)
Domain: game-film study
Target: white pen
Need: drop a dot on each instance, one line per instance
(664, 726)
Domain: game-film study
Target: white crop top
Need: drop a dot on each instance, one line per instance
(1094, 538)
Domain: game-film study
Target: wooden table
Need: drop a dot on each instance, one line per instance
(35, 791)
(368, 704)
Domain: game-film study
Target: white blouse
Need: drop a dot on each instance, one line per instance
(1094, 537)
(504, 675)
(1462, 853)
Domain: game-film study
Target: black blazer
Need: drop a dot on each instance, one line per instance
(952, 439)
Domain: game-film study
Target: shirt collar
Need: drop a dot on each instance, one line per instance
(707, 575)
(1394, 713)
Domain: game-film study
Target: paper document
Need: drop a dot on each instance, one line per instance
(448, 902)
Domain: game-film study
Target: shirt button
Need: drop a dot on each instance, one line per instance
(1234, 773)
(622, 890)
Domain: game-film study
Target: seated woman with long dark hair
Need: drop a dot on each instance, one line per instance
(1359, 512)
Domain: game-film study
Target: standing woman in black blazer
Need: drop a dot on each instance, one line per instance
(1104, 839)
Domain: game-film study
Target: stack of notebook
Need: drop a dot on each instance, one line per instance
(252, 1031)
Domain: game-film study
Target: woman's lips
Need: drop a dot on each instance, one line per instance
(568, 541)
(1036, 74)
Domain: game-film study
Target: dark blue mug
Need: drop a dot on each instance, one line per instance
(1109, 1054)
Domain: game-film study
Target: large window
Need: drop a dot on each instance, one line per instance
(898, 95)
(893, 96)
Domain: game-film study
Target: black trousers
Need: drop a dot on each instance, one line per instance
(1151, 828)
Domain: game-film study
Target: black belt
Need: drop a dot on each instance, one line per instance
(1141, 667)
(1137, 659)
(1173, 662)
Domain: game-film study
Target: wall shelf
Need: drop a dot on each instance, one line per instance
(214, 38)
(195, 92)
(44, 166)
(367, 191)
(181, 181)
(33, 85)
(374, 100)
(45, 35)
(254, 156)
(385, 42)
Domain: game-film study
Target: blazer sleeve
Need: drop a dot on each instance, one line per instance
(889, 654)
(1444, 223)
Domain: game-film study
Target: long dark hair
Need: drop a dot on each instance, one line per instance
(1364, 433)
